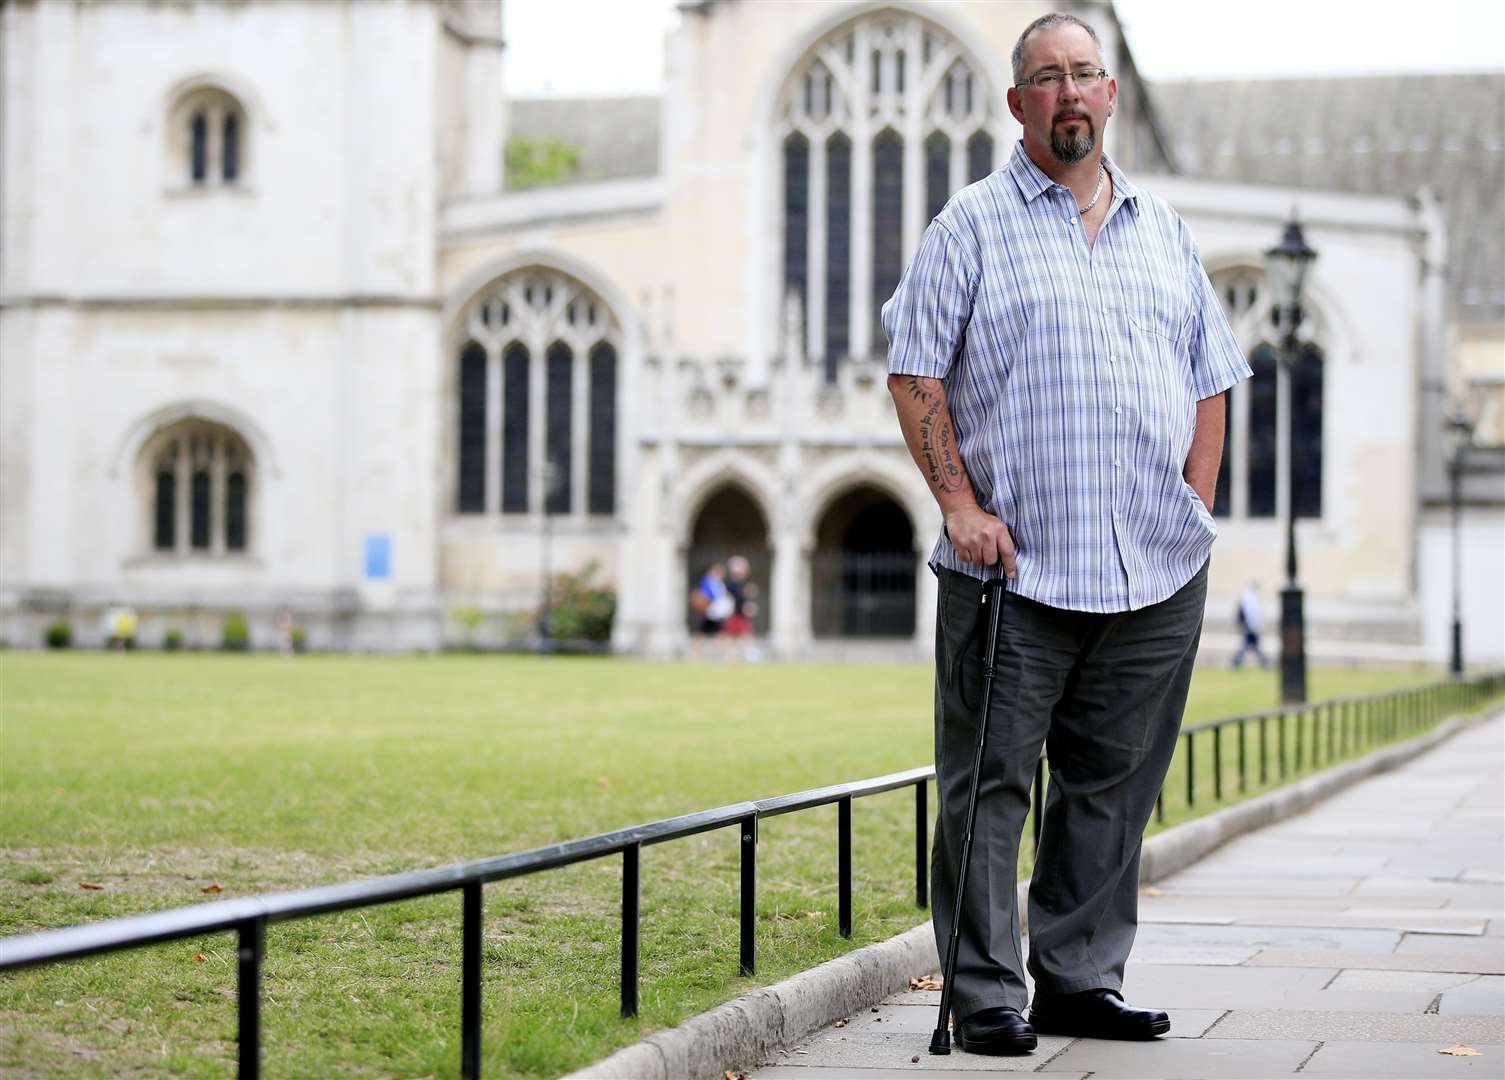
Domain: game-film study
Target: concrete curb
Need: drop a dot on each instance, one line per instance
(749, 1029)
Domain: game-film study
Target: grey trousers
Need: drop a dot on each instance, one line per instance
(1104, 694)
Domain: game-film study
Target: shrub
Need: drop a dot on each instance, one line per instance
(469, 619)
(172, 640)
(60, 634)
(539, 162)
(299, 638)
(235, 635)
(579, 610)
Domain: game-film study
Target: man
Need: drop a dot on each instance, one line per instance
(1058, 358)
(1249, 622)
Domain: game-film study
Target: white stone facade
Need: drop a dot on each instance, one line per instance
(314, 308)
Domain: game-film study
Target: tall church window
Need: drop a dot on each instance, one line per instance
(208, 138)
(1252, 483)
(601, 450)
(197, 484)
(515, 409)
(536, 385)
(888, 105)
(558, 443)
(472, 430)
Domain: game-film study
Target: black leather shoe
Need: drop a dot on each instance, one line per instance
(999, 1030)
(1095, 1014)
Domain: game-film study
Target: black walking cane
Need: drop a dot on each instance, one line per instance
(992, 599)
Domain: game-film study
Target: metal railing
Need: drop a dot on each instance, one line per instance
(1351, 723)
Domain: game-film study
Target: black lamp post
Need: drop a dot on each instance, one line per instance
(1461, 427)
(1287, 264)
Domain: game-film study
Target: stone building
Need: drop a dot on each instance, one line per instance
(274, 336)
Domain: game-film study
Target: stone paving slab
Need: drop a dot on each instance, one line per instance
(1192, 883)
(1186, 1059)
(1433, 982)
(1200, 954)
(1414, 922)
(1485, 994)
(1279, 937)
(1414, 1061)
(1324, 1025)
(816, 1072)
(1441, 959)
(1482, 876)
(1238, 988)
(868, 1051)
(1231, 905)
(1273, 866)
(1488, 954)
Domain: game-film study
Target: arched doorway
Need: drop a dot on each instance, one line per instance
(729, 524)
(863, 569)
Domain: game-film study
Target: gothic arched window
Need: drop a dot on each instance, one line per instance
(880, 123)
(1252, 483)
(208, 142)
(536, 402)
(198, 478)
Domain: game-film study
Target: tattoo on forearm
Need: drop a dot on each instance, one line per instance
(916, 391)
(938, 448)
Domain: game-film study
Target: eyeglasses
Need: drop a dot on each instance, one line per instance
(1054, 80)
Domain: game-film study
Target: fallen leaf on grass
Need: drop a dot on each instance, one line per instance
(815, 916)
(199, 958)
(90, 885)
(213, 886)
(1150, 890)
(1461, 1051)
(929, 982)
(604, 782)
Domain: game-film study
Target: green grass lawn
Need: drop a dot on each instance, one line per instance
(156, 775)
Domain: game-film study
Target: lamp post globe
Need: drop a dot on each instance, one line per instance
(1286, 267)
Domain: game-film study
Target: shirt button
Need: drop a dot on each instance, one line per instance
(1117, 464)
(1117, 409)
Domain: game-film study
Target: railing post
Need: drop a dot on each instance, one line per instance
(748, 830)
(1191, 772)
(1300, 724)
(470, 981)
(1263, 751)
(253, 944)
(1280, 742)
(1243, 779)
(921, 855)
(1217, 762)
(631, 925)
(844, 865)
(1039, 801)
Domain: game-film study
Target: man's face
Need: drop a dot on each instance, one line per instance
(1066, 122)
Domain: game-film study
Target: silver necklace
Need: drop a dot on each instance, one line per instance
(1101, 172)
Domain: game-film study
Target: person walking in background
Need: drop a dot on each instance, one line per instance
(1250, 621)
(1058, 360)
(711, 604)
(745, 598)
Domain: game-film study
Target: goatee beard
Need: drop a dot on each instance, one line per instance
(1072, 150)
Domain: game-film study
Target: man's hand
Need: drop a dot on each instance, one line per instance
(981, 539)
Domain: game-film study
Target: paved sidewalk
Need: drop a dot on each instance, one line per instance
(1356, 940)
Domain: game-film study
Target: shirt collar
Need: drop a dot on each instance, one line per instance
(1033, 182)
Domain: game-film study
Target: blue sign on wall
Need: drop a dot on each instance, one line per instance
(378, 556)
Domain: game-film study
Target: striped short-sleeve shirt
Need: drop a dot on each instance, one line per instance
(1072, 373)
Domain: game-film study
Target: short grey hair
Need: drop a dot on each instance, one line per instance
(1045, 22)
